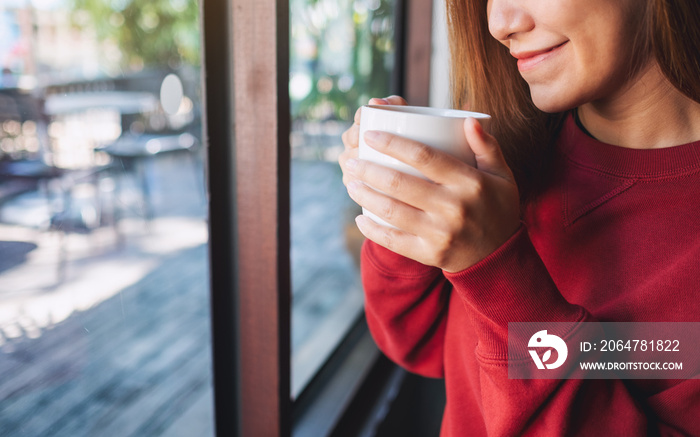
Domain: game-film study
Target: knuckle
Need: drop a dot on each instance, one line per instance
(395, 181)
(479, 189)
(443, 244)
(397, 100)
(456, 214)
(350, 138)
(476, 188)
(388, 210)
(347, 154)
(423, 155)
(359, 169)
(388, 237)
(444, 240)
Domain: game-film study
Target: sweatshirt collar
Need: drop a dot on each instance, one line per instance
(625, 162)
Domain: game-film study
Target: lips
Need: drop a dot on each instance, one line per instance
(529, 59)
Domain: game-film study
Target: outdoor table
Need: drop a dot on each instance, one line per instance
(133, 152)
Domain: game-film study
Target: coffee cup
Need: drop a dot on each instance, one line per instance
(442, 129)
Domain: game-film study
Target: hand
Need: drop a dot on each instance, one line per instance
(452, 221)
(351, 137)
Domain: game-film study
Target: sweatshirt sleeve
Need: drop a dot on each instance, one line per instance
(513, 285)
(406, 309)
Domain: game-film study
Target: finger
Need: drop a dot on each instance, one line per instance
(372, 101)
(396, 100)
(488, 154)
(358, 116)
(348, 154)
(391, 100)
(436, 165)
(409, 189)
(393, 211)
(378, 101)
(396, 240)
(351, 137)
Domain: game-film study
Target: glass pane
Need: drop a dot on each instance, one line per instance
(104, 313)
(342, 53)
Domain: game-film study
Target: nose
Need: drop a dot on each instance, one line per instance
(507, 18)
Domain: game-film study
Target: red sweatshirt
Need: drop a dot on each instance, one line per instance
(616, 237)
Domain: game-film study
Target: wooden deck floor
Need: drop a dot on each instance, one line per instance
(136, 365)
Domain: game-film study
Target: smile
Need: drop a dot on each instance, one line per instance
(528, 60)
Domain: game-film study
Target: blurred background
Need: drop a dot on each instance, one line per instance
(104, 283)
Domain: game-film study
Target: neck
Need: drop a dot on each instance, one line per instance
(649, 113)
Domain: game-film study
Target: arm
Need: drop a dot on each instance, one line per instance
(405, 301)
(406, 308)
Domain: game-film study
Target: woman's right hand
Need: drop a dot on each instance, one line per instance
(351, 137)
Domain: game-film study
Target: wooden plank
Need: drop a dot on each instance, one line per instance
(139, 359)
(198, 420)
(106, 328)
(417, 52)
(106, 385)
(182, 391)
(102, 406)
(261, 102)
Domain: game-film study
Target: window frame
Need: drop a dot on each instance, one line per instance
(247, 127)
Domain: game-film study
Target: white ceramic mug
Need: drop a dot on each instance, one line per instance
(439, 128)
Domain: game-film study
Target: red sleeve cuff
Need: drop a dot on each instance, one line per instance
(392, 264)
(512, 284)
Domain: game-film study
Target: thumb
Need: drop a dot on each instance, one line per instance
(487, 151)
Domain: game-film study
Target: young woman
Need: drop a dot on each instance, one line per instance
(583, 207)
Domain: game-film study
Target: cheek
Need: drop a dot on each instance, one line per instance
(575, 85)
(594, 69)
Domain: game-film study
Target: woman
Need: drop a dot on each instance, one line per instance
(582, 208)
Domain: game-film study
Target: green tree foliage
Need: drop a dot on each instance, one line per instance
(346, 50)
(146, 32)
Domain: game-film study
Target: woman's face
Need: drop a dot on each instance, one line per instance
(570, 52)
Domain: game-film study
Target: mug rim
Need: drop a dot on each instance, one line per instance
(428, 111)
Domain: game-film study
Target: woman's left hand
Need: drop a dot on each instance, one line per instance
(452, 221)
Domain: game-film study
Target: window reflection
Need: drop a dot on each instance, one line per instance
(342, 53)
(104, 321)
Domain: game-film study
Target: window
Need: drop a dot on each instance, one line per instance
(342, 53)
(248, 66)
(110, 191)
(104, 309)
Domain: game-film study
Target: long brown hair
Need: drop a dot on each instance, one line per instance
(484, 77)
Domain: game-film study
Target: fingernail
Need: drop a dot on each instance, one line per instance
(351, 163)
(361, 221)
(372, 136)
(477, 126)
(353, 186)
(380, 101)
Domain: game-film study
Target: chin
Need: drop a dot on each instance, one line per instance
(552, 101)
(552, 105)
